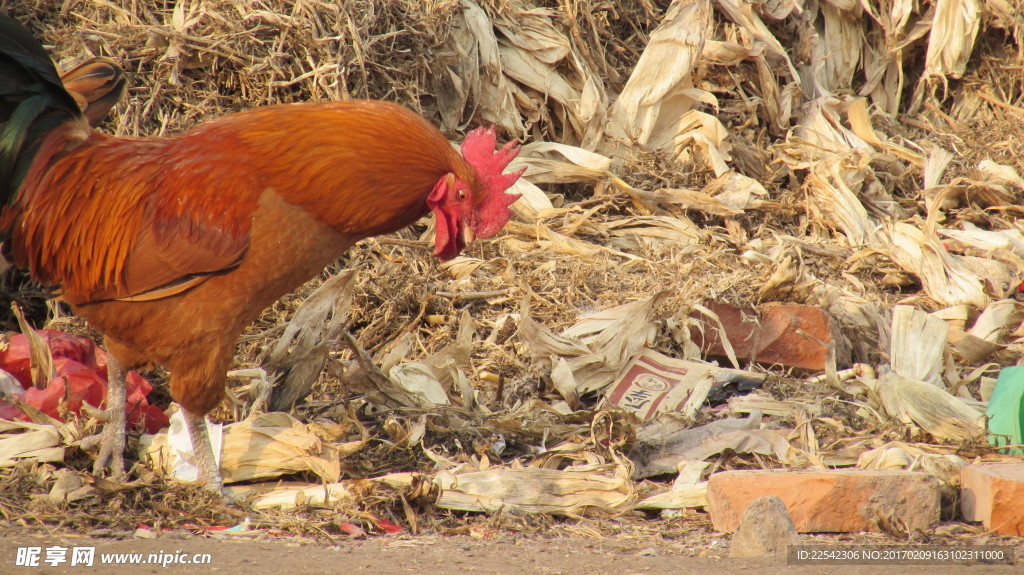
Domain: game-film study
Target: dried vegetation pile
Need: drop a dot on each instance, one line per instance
(860, 158)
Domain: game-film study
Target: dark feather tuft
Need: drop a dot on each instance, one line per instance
(33, 102)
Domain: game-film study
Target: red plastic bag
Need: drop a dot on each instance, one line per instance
(81, 369)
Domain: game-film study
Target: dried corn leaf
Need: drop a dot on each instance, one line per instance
(531, 490)
(945, 277)
(995, 243)
(1001, 173)
(41, 360)
(462, 266)
(261, 447)
(757, 403)
(860, 122)
(656, 230)
(578, 165)
(970, 349)
(899, 455)
(21, 441)
(997, 277)
(735, 191)
(679, 497)
(696, 130)
(687, 491)
(986, 336)
(296, 360)
(666, 441)
(724, 205)
(832, 195)
(420, 383)
(821, 126)
(530, 71)
(724, 53)
(741, 12)
(917, 348)
(997, 319)
(655, 94)
(606, 343)
(532, 200)
(292, 495)
(481, 72)
(532, 31)
(930, 407)
(945, 467)
(934, 167)
(840, 45)
(69, 486)
(954, 27)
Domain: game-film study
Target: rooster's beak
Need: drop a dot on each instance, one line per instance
(467, 235)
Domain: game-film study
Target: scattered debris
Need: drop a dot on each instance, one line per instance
(69, 487)
(652, 383)
(293, 495)
(662, 444)
(946, 467)
(687, 490)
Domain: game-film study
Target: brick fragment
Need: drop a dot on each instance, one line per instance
(829, 501)
(993, 493)
(792, 335)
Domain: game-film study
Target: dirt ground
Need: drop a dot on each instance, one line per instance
(499, 553)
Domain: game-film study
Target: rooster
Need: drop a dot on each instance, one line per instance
(171, 246)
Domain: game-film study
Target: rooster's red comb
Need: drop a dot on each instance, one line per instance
(493, 208)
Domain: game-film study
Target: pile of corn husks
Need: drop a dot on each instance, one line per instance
(863, 159)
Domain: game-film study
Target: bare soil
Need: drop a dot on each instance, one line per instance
(480, 552)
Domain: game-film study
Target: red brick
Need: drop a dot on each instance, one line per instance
(993, 493)
(829, 501)
(792, 335)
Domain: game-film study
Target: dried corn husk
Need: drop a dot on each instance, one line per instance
(593, 351)
(933, 409)
(660, 89)
(20, 440)
(263, 446)
(292, 495)
(602, 489)
(687, 490)
(918, 346)
(898, 455)
(297, 359)
(944, 276)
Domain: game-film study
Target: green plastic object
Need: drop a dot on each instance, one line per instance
(1006, 409)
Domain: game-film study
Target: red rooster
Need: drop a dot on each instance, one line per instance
(171, 246)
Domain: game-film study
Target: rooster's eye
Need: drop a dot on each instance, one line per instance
(460, 195)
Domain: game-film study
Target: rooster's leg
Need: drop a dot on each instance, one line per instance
(112, 440)
(202, 451)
